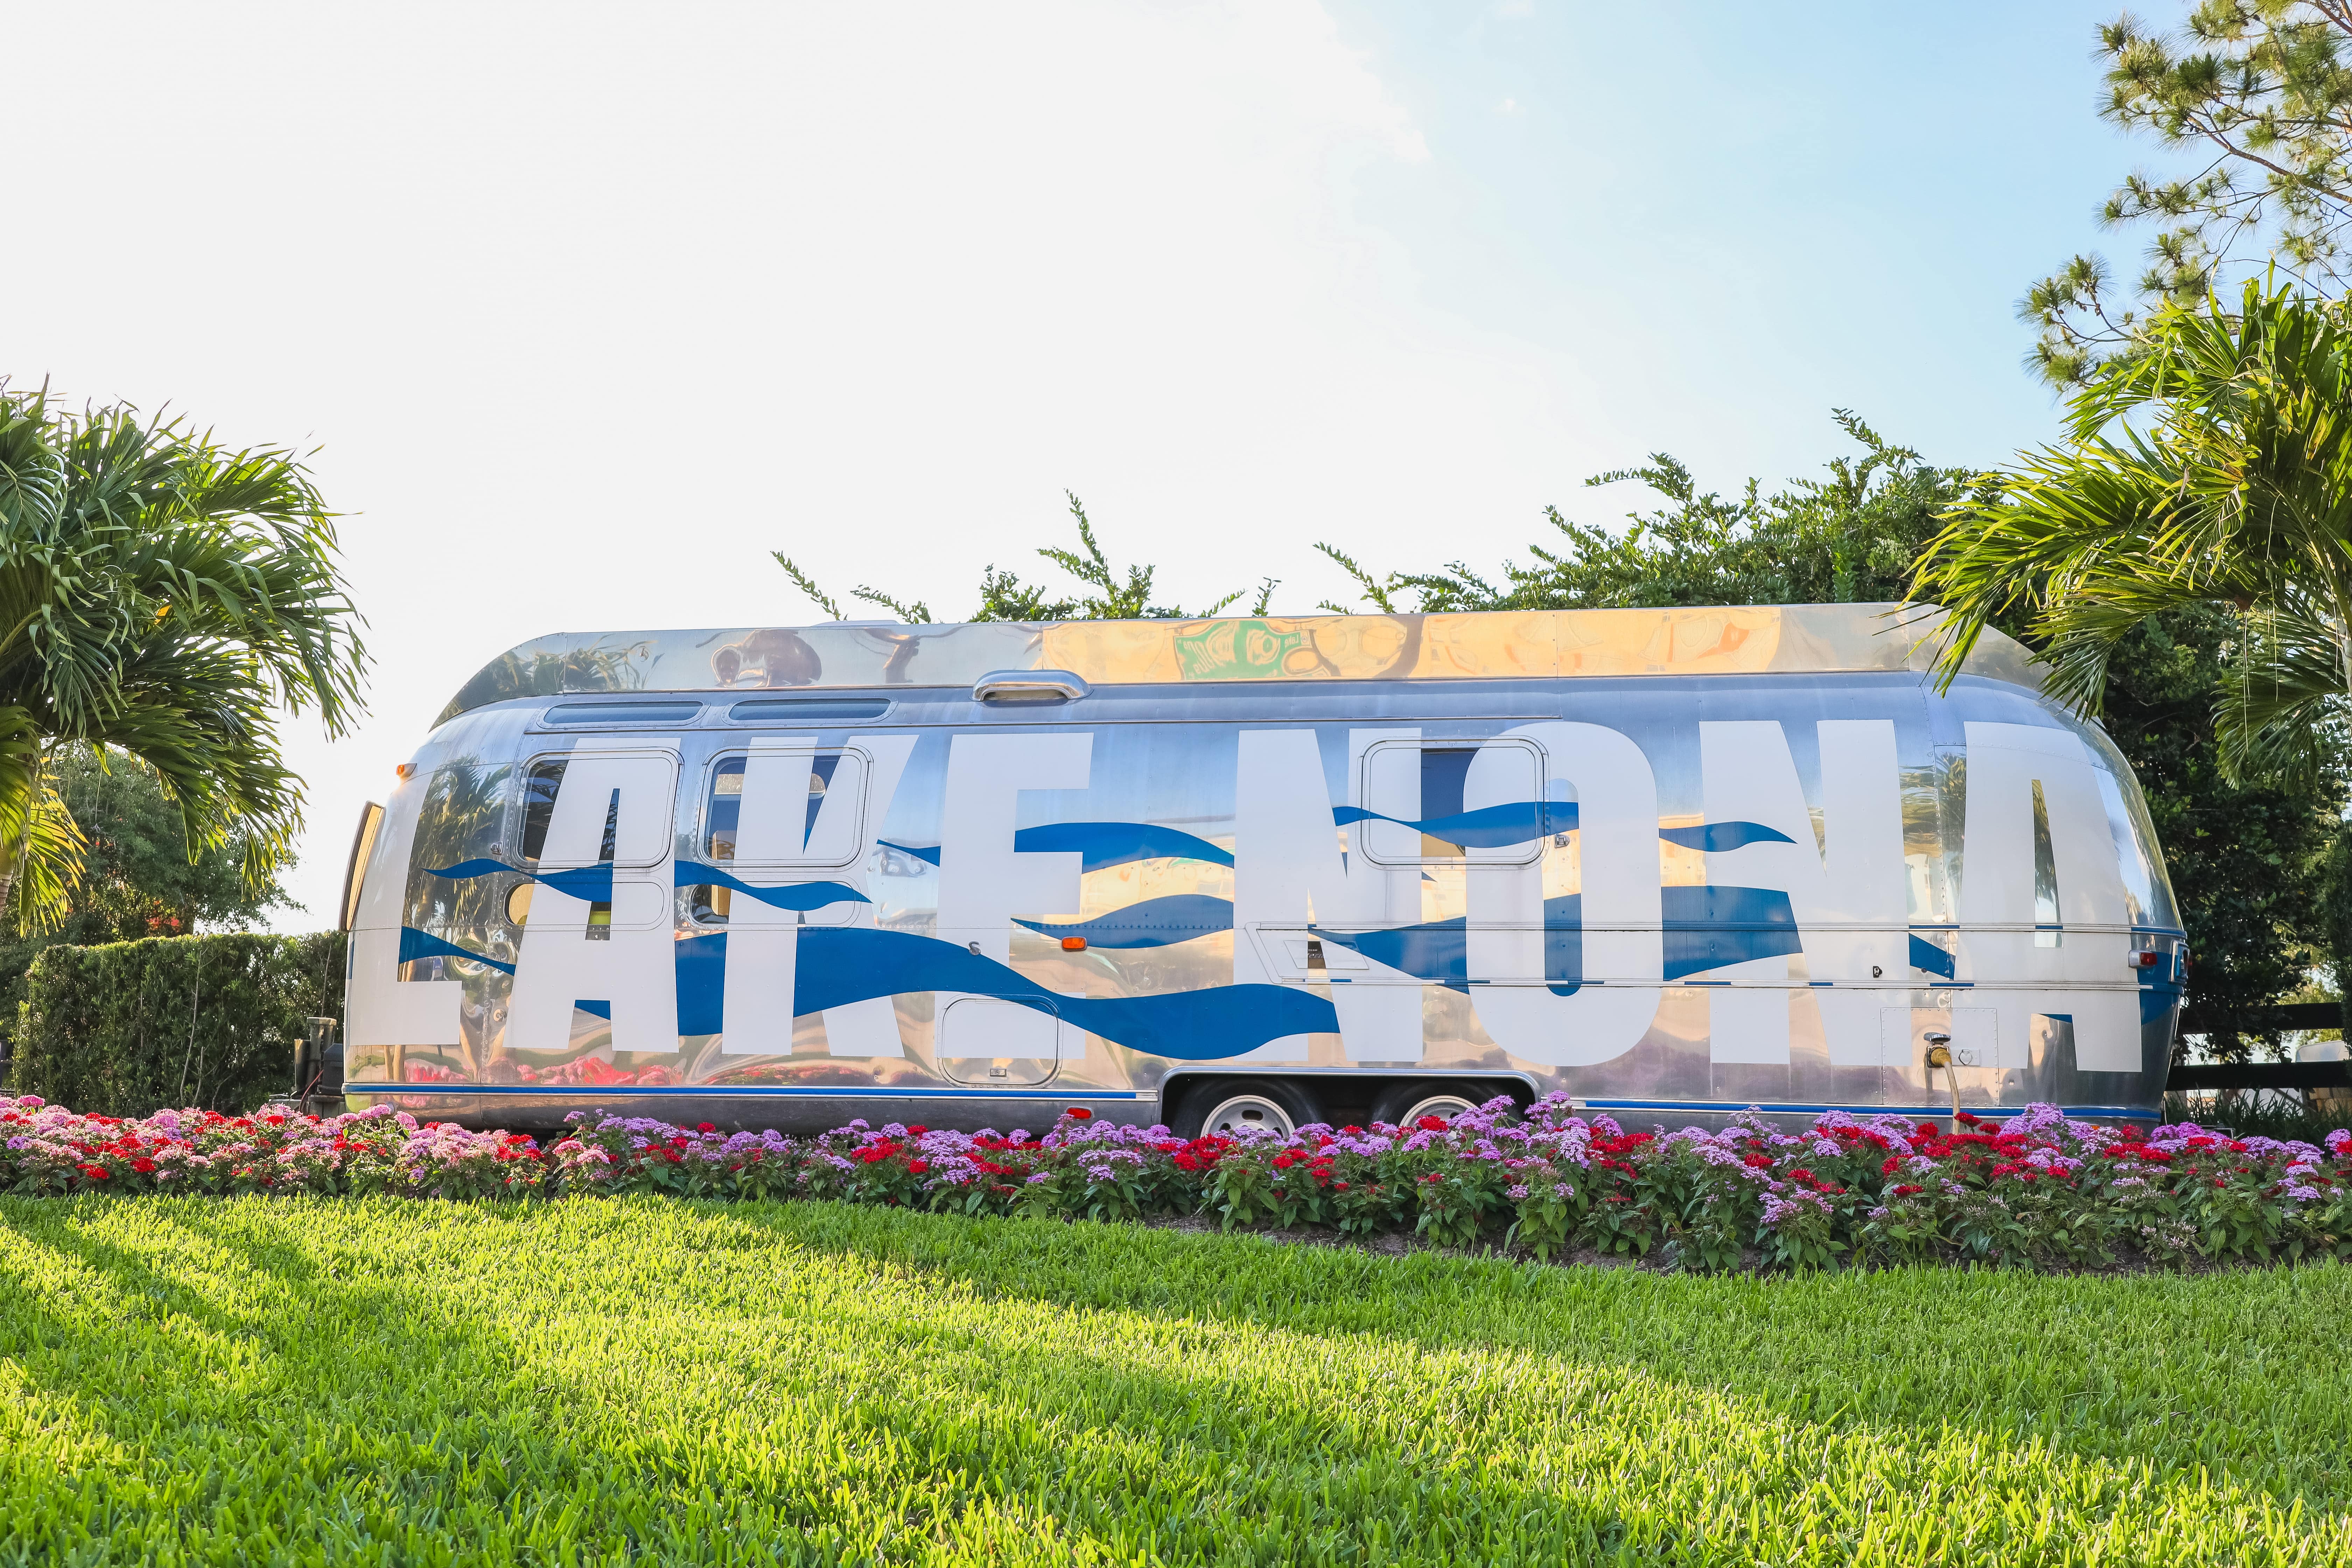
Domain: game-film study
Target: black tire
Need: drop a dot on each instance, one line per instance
(1412, 1098)
(1287, 1100)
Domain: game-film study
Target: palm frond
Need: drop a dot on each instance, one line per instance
(164, 594)
(2216, 466)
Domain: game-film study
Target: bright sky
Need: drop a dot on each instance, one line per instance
(589, 307)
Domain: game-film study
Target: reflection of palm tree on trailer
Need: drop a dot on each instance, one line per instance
(1276, 870)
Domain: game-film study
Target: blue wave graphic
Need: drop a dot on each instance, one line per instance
(702, 984)
(841, 964)
(1488, 827)
(415, 944)
(594, 883)
(1717, 838)
(1707, 927)
(1104, 845)
(1154, 922)
(1438, 950)
(1931, 957)
(802, 896)
(1497, 826)
(465, 870)
(1099, 845)
(1703, 928)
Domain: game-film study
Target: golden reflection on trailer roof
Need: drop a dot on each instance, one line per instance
(1468, 645)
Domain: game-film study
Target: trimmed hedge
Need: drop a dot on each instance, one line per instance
(129, 1027)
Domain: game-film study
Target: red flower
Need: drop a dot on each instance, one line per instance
(1759, 1161)
(916, 1130)
(917, 1167)
(705, 1127)
(1894, 1163)
(1431, 1124)
(1079, 1113)
(1905, 1190)
(143, 1166)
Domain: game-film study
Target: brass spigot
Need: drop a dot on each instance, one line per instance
(1939, 1055)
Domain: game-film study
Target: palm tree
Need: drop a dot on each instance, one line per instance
(2215, 467)
(165, 595)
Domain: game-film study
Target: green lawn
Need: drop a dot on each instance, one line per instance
(256, 1381)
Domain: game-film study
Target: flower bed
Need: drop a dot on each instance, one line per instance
(2037, 1189)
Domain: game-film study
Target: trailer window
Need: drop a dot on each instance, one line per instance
(780, 807)
(784, 806)
(622, 813)
(1415, 799)
(539, 783)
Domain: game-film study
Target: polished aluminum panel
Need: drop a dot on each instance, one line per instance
(1663, 893)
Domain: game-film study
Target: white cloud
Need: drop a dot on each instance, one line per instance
(592, 306)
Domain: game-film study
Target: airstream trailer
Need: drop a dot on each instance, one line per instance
(1261, 870)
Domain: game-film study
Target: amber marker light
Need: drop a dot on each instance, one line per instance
(405, 770)
(1073, 944)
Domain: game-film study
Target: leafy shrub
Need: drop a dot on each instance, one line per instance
(2036, 1191)
(207, 1021)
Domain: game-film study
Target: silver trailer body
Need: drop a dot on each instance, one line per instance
(1669, 861)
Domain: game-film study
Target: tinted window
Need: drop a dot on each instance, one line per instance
(722, 815)
(539, 787)
(725, 807)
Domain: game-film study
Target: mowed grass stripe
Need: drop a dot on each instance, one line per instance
(188, 1380)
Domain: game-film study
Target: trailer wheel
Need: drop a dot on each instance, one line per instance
(1403, 1104)
(1230, 1105)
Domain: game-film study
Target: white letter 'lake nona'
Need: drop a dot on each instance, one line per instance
(1679, 862)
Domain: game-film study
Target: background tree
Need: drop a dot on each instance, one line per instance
(139, 879)
(2205, 482)
(167, 597)
(1105, 594)
(1849, 537)
(2246, 855)
(2256, 95)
